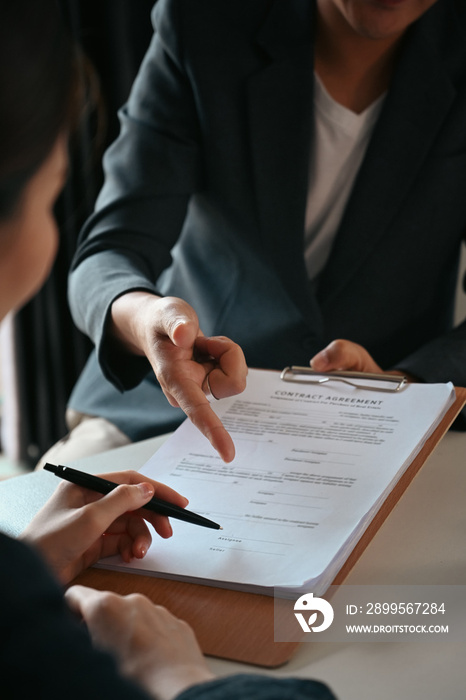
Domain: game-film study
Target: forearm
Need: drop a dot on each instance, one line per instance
(151, 171)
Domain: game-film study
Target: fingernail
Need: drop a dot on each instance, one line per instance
(146, 490)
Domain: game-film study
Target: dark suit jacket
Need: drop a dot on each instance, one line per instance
(46, 654)
(206, 189)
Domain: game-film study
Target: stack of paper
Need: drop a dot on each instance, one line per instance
(313, 465)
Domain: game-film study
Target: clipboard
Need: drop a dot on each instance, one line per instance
(239, 626)
(359, 380)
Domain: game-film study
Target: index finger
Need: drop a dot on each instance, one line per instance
(194, 403)
(160, 523)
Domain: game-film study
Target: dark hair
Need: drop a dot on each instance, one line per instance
(38, 87)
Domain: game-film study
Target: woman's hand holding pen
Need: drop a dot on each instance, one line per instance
(77, 527)
(151, 646)
(187, 364)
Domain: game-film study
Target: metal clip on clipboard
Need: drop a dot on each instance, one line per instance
(304, 375)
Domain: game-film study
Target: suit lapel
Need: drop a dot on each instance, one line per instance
(280, 119)
(279, 98)
(416, 105)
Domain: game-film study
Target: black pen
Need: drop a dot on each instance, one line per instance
(157, 505)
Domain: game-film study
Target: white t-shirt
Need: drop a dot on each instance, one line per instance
(341, 139)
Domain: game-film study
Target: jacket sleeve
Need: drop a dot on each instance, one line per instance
(150, 172)
(440, 360)
(256, 687)
(44, 651)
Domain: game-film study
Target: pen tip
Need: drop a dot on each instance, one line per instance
(220, 528)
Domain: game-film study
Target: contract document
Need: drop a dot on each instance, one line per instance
(313, 465)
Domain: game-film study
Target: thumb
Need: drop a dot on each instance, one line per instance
(339, 354)
(184, 333)
(178, 321)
